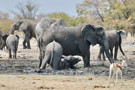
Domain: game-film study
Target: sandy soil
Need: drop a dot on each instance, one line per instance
(19, 74)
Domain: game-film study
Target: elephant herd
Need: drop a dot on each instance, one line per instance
(58, 43)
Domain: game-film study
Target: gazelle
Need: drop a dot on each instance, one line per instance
(117, 69)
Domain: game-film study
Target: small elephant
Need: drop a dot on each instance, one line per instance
(3, 44)
(114, 40)
(52, 56)
(12, 44)
(70, 61)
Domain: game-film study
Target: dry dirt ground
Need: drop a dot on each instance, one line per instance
(19, 74)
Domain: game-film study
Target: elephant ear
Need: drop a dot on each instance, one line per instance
(89, 33)
(23, 26)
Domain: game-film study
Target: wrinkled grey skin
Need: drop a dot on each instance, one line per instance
(53, 53)
(26, 26)
(3, 44)
(74, 40)
(45, 23)
(114, 40)
(12, 45)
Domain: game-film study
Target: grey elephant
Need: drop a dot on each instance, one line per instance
(114, 40)
(53, 56)
(74, 40)
(53, 53)
(12, 45)
(45, 23)
(3, 44)
(26, 26)
(69, 61)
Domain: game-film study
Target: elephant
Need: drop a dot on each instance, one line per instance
(53, 53)
(12, 44)
(74, 40)
(3, 44)
(114, 40)
(53, 56)
(45, 23)
(69, 61)
(26, 26)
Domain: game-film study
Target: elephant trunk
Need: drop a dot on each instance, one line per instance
(12, 30)
(106, 49)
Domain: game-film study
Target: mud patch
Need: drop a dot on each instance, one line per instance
(29, 67)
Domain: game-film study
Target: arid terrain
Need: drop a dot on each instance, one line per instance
(19, 74)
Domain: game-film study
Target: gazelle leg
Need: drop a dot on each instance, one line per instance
(110, 73)
(121, 79)
(116, 78)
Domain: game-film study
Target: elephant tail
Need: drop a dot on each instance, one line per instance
(120, 41)
(52, 55)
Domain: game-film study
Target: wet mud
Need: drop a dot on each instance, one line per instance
(98, 68)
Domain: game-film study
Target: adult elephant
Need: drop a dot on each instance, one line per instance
(45, 23)
(26, 26)
(114, 40)
(74, 40)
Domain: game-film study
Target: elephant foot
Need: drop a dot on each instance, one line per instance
(38, 71)
(28, 47)
(24, 47)
(115, 59)
(99, 59)
(10, 57)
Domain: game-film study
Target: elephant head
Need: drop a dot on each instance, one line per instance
(19, 25)
(96, 35)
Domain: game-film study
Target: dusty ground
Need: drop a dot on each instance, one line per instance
(19, 74)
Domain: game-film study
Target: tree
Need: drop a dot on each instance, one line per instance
(112, 14)
(26, 11)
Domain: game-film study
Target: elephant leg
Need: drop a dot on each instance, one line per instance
(100, 52)
(111, 50)
(116, 51)
(28, 44)
(45, 61)
(14, 54)
(86, 59)
(10, 55)
(104, 55)
(40, 58)
(56, 62)
(24, 44)
(27, 38)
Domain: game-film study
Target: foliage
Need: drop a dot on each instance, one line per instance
(5, 25)
(71, 21)
(26, 11)
(112, 14)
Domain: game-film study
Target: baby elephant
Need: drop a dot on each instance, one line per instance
(12, 44)
(53, 53)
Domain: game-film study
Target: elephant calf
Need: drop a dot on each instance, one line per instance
(53, 55)
(12, 44)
